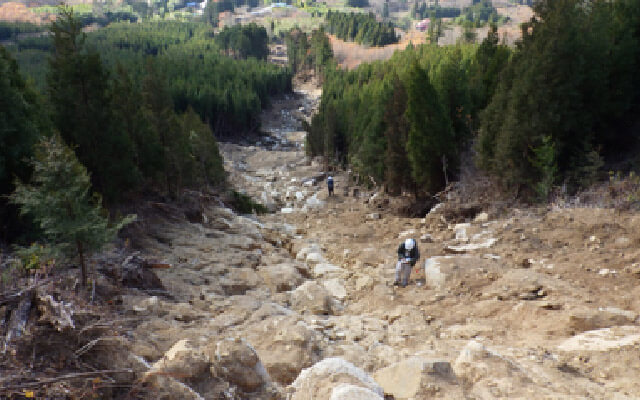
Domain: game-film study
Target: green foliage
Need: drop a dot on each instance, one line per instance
(228, 94)
(78, 87)
(128, 134)
(306, 53)
(480, 13)
(36, 256)
(243, 204)
(60, 201)
(363, 117)
(572, 79)
(361, 28)
(491, 58)
(422, 11)
(357, 3)
(544, 161)
(397, 176)
(9, 30)
(204, 153)
(430, 132)
(22, 122)
(244, 41)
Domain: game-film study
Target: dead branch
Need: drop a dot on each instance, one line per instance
(94, 342)
(7, 298)
(67, 377)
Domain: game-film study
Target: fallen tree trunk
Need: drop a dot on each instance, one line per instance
(19, 317)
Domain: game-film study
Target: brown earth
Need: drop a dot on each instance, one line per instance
(19, 12)
(511, 303)
(507, 301)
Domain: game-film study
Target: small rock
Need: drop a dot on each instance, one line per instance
(482, 217)
(325, 269)
(547, 305)
(314, 258)
(364, 282)
(374, 216)
(622, 242)
(426, 238)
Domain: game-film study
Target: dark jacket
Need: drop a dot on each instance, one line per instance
(414, 253)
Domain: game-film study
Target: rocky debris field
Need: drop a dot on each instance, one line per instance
(298, 303)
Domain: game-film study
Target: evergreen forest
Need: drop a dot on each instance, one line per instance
(360, 28)
(549, 112)
(139, 104)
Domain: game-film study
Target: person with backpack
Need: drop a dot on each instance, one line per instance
(408, 255)
(330, 185)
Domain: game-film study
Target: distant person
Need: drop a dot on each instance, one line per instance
(408, 255)
(330, 185)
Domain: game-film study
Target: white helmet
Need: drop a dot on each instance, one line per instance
(409, 243)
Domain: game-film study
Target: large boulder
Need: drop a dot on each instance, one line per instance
(179, 370)
(239, 280)
(335, 287)
(182, 359)
(409, 378)
(319, 381)
(285, 346)
(281, 277)
(353, 392)
(238, 363)
(312, 298)
(442, 271)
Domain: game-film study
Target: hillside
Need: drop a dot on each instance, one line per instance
(515, 302)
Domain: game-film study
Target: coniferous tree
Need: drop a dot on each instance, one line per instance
(430, 134)
(205, 155)
(59, 199)
(129, 117)
(78, 87)
(22, 122)
(398, 172)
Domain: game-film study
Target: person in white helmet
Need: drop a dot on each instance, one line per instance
(330, 185)
(408, 255)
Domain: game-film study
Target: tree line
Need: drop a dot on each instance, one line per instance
(9, 30)
(308, 51)
(392, 122)
(228, 94)
(480, 13)
(361, 28)
(422, 11)
(138, 104)
(243, 41)
(569, 99)
(550, 112)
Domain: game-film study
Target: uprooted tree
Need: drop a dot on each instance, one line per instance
(60, 201)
